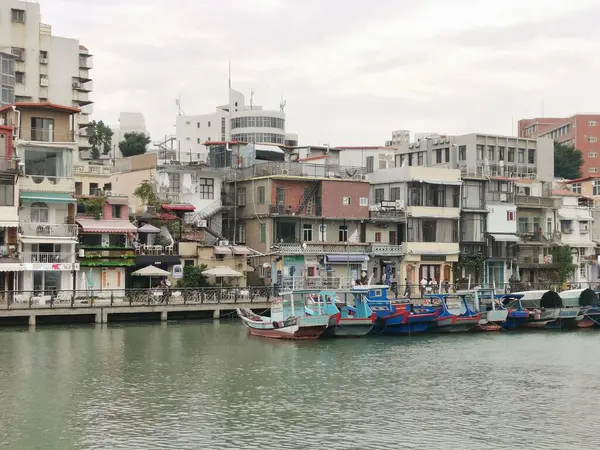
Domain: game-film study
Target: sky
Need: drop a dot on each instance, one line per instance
(351, 71)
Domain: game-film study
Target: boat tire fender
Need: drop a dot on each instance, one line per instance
(275, 325)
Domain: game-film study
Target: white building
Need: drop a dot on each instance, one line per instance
(235, 121)
(129, 122)
(373, 158)
(47, 68)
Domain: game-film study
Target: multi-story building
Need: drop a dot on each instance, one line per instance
(235, 121)
(106, 248)
(129, 122)
(483, 155)
(47, 68)
(372, 158)
(473, 228)
(581, 131)
(46, 147)
(430, 244)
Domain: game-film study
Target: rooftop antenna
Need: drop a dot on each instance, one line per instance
(282, 104)
(178, 104)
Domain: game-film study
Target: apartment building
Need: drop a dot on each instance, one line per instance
(581, 131)
(47, 68)
(372, 158)
(46, 147)
(473, 227)
(429, 230)
(234, 121)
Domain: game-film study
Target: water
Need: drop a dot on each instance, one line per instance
(210, 386)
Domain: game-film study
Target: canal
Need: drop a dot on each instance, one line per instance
(210, 386)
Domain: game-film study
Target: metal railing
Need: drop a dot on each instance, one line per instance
(44, 229)
(46, 257)
(296, 169)
(45, 135)
(541, 202)
(323, 248)
(8, 164)
(91, 169)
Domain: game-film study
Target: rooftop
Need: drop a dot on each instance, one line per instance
(299, 170)
(40, 105)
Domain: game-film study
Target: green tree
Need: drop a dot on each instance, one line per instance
(192, 277)
(134, 144)
(147, 193)
(564, 259)
(100, 138)
(567, 161)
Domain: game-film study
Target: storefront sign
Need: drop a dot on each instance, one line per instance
(433, 258)
(177, 272)
(51, 266)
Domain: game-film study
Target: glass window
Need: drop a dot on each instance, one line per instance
(511, 154)
(521, 156)
(438, 156)
(39, 213)
(531, 156)
(395, 194)
(462, 152)
(48, 163)
(206, 188)
(280, 194)
(241, 197)
(116, 211)
(501, 151)
(480, 151)
(263, 233)
(370, 163)
(343, 233)
(260, 195)
(7, 193)
(307, 232)
(378, 236)
(490, 152)
(379, 196)
(447, 154)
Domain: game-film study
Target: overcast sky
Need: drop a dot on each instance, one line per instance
(351, 71)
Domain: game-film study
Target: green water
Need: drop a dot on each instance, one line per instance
(210, 386)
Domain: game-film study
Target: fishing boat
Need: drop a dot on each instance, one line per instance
(395, 316)
(288, 319)
(586, 301)
(493, 314)
(349, 320)
(538, 309)
(453, 312)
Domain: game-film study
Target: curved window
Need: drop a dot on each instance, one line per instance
(267, 138)
(260, 121)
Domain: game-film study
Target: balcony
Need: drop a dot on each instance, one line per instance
(86, 62)
(48, 258)
(87, 86)
(82, 98)
(534, 202)
(8, 165)
(388, 215)
(91, 169)
(110, 252)
(432, 250)
(387, 249)
(47, 184)
(46, 135)
(434, 212)
(295, 249)
(49, 230)
(528, 260)
(302, 170)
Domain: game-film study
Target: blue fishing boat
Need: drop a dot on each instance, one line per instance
(453, 313)
(348, 320)
(493, 314)
(395, 316)
(538, 309)
(586, 301)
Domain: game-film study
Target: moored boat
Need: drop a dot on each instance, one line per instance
(538, 310)
(288, 320)
(484, 300)
(453, 313)
(586, 302)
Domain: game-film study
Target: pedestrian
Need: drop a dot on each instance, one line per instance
(423, 285)
(446, 286)
(407, 292)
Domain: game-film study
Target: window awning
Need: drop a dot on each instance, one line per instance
(505, 237)
(582, 216)
(222, 251)
(47, 197)
(347, 258)
(117, 201)
(179, 207)
(9, 223)
(241, 250)
(106, 226)
(268, 148)
(48, 239)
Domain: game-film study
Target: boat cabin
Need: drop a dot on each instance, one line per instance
(290, 304)
(532, 300)
(575, 298)
(456, 303)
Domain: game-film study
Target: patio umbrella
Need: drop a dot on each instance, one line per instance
(151, 271)
(150, 229)
(222, 271)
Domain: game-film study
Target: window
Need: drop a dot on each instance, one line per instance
(370, 163)
(78, 188)
(592, 155)
(473, 195)
(364, 201)
(581, 252)
(479, 151)
(501, 151)
(592, 139)
(378, 236)
(280, 196)
(209, 125)
(395, 194)
(40, 162)
(197, 124)
(209, 139)
(46, 281)
(438, 156)
(582, 270)
(188, 262)
(20, 77)
(17, 15)
(576, 188)
(419, 159)
(447, 154)
(241, 233)
(260, 195)
(343, 233)
(429, 230)
(8, 95)
(596, 187)
(18, 52)
(592, 170)
(347, 200)
(241, 197)
(116, 211)
(188, 138)
(206, 188)
(510, 216)
(511, 154)
(521, 154)
(490, 152)
(7, 193)
(197, 140)
(462, 152)
(187, 122)
(174, 182)
(592, 123)
(263, 233)
(307, 232)
(392, 236)
(379, 196)
(531, 156)
(42, 129)
(473, 228)
(39, 213)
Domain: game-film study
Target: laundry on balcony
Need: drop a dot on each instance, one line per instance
(47, 197)
(344, 258)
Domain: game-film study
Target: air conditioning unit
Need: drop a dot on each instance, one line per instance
(201, 223)
(43, 60)
(399, 204)
(503, 197)
(76, 84)
(44, 82)
(363, 177)
(223, 244)
(285, 172)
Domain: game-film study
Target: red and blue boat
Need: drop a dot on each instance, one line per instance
(453, 313)
(538, 310)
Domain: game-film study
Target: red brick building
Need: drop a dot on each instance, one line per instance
(582, 131)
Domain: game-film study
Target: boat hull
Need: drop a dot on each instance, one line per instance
(291, 333)
(404, 323)
(352, 329)
(293, 328)
(455, 324)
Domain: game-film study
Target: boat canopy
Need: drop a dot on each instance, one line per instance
(579, 297)
(540, 299)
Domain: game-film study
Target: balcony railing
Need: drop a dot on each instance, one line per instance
(43, 257)
(48, 230)
(8, 165)
(91, 169)
(540, 202)
(45, 135)
(389, 214)
(323, 248)
(388, 249)
(295, 169)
